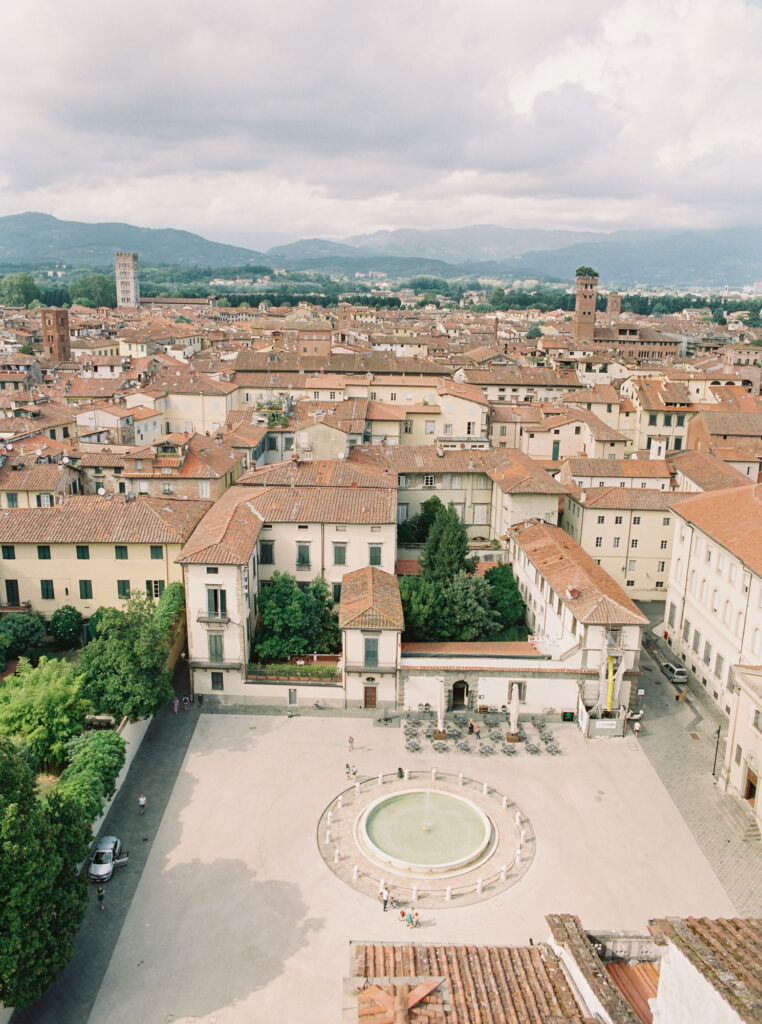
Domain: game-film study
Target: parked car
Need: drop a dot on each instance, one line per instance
(106, 857)
(674, 672)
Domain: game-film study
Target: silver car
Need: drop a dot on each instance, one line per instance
(106, 857)
(674, 672)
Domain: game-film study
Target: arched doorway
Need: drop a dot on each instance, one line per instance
(460, 694)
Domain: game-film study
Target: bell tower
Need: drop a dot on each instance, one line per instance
(584, 309)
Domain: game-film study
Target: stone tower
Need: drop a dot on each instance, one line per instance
(584, 310)
(127, 285)
(56, 340)
(614, 306)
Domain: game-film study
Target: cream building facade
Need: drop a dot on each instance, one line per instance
(743, 749)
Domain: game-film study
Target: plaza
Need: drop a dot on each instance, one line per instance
(237, 917)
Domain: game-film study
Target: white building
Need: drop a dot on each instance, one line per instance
(714, 600)
(127, 283)
(743, 750)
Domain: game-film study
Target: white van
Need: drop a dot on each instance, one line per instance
(674, 672)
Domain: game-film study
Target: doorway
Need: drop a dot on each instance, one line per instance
(291, 697)
(460, 694)
(369, 700)
(750, 789)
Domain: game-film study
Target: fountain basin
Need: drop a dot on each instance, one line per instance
(424, 832)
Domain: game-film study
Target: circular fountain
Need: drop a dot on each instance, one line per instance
(425, 833)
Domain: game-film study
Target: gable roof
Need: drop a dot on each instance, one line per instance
(732, 518)
(370, 599)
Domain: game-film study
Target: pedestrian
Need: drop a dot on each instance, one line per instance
(409, 918)
(175, 704)
(416, 918)
(186, 702)
(142, 802)
(354, 772)
(384, 897)
(351, 743)
(402, 916)
(636, 727)
(101, 894)
(478, 728)
(518, 819)
(470, 727)
(347, 770)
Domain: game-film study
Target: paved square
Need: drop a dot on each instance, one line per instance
(238, 919)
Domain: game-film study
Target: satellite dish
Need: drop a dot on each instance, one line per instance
(65, 460)
(9, 447)
(101, 491)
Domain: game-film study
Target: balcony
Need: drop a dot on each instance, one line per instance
(211, 615)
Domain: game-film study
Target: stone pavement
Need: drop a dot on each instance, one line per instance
(680, 741)
(154, 772)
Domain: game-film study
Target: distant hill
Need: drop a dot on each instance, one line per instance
(35, 238)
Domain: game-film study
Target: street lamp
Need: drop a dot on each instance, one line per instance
(716, 748)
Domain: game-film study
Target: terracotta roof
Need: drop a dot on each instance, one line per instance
(726, 953)
(370, 599)
(527, 376)
(646, 499)
(227, 535)
(497, 649)
(707, 471)
(654, 468)
(364, 505)
(732, 518)
(524, 984)
(599, 599)
(319, 473)
(733, 424)
(428, 458)
(33, 477)
(519, 474)
(90, 519)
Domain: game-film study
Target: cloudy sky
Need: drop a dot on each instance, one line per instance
(256, 122)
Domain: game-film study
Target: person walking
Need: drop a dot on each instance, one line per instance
(384, 897)
(416, 918)
(470, 727)
(347, 770)
(186, 702)
(354, 772)
(478, 729)
(101, 894)
(142, 802)
(175, 704)
(636, 729)
(351, 744)
(409, 918)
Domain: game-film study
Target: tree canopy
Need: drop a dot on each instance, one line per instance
(415, 529)
(445, 552)
(94, 290)
(66, 625)
(125, 665)
(24, 631)
(18, 290)
(584, 271)
(506, 596)
(295, 621)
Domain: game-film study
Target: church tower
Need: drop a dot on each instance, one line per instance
(584, 310)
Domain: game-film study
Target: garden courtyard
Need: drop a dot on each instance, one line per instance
(237, 917)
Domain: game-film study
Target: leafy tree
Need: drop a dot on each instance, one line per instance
(94, 290)
(18, 290)
(66, 625)
(169, 607)
(533, 332)
(422, 602)
(95, 760)
(445, 552)
(125, 665)
(42, 894)
(467, 612)
(26, 350)
(584, 271)
(718, 315)
(415, 530)
(506, 596)
(45, 706)
(24, 631)
(294, 621)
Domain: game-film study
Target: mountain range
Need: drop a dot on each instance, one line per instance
(624, 258)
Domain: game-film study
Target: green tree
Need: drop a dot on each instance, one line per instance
(95, 760)
(294, 621)
(66, 625)
(718, 315)
(26, 350)
(415, 530)
(24, 631)
(18, 290)
(125, 665)
(45, 706)
(422, 602)
(467, 613)
(584, 271)
(42, 894)
(94, 290)
(506, 596)
(445, 552)
(169, 607)
(533, 332)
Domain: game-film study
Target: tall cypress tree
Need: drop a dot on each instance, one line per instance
(445, 552)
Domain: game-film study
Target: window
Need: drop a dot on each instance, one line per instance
(678, 443)
(123, 588)
(408, 427)
(13, 499)
(618, 520)
(652, 419)
(429, 426)
(44, 501)
(457, 483)
(707, 653)
(216, 603)
(577, 430)
(267, 552)
(671, 616)
(83, 552)
(634, 542)
(9, 552)
(636, 520)
(339, 554)
(630, 583)
(203, 488)
(447, 428)
(46, 590)
(428, 480)
(371, 651)
(616, 541)
(215, 647)
(217, 680)
(402, 480)
(718, 666)
(686, 630)
(336, 593)
(374, 554)
(632, 565)
(120, 552)
(663, 545)
(601, 519)
(302, 556)
(154, 588)
(481, 515)
(85, 589)
(739, 753)
(503, 430)
(599, 542)
(157, 551)
(680, 420)
(667, 419)
(696, 641)
(661, 566)
(659, 584)
(665, 521)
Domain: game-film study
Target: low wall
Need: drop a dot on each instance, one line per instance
(132, 733)
(275, 692)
